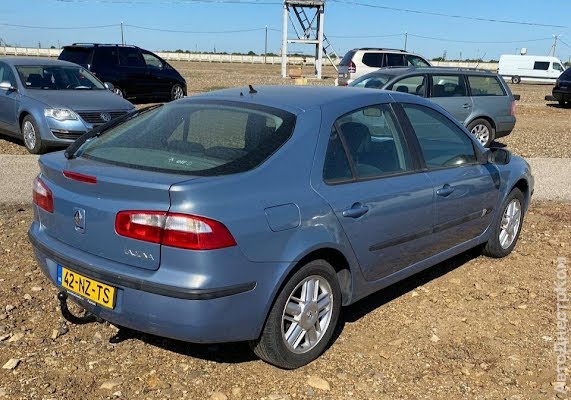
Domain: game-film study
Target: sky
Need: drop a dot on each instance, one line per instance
(227, 26)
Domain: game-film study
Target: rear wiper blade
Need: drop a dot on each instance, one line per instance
(100, 130)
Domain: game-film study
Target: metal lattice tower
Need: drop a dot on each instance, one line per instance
(308, 31)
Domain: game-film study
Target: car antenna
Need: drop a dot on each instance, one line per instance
(252, 90)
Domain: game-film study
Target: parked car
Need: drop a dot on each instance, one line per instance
(348, 190)
(136, 73)
(358, 62)
(533, 69)
(50, 103)
(562, 89)
(479, 99)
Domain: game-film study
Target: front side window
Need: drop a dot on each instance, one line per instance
(371, 81)
(411, 84)
(485, 86)
(416, 61)
(49, 77)
(448, 86)
(557, 67)
(541, 65)
(371, 141)
(152, 61)
(204, 139)
(6, 74)
(442, 142)
(373, 60)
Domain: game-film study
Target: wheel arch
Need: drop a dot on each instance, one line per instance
(486, 118)
(523, 185)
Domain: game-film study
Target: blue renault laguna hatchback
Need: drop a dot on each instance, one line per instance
(244, 215)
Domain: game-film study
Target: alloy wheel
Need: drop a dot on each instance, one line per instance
(482, 133)
(29, 135)
(510, 223)
(307, 314)
(177, 93)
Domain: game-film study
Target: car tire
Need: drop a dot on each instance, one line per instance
(482, 130)
(31, 135)
(516, 79)
(507, 226)
(118, 91)
(177, 92)
(290, 338)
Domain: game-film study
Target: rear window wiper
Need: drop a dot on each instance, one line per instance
(100, 130)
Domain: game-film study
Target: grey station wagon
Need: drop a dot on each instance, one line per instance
(255, 215)
(479, 99)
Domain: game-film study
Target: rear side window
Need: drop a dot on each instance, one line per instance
(77, 55)
(371, 81)
(106, 57)
(395, 60)
(205, 139)
(485, 86)
(541, 65)
(443, 144)
(371, 139)
(373, 60)
(347, 58)
(415, 61)
(448, 86)
(130, 57)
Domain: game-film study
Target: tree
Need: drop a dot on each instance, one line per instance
(251, 53)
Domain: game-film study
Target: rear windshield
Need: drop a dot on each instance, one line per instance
(76, 55)
(566, 74)
(376, 81)
(347, 58)
(205, 139)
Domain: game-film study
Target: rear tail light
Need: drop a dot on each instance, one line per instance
(351, 68)
(174, 230)
(557, 83)
(42, 195)
(512, 109)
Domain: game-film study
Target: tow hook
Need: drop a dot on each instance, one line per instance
(74, 319)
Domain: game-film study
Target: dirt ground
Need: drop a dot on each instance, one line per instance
(543, 128)
(470, 328)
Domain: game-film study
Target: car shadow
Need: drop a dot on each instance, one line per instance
(12, 139)
(240, 352)
(557, 105)
(497, 145)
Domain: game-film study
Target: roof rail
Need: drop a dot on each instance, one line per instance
(103, 44)
(381, 49)
(452, 68)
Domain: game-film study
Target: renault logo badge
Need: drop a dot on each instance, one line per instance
(79, 219)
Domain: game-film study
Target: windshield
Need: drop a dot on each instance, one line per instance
(52, 77)
(205, 139)
(376, 81)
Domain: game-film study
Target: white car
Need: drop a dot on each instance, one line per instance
(524, 68)
(359, 62)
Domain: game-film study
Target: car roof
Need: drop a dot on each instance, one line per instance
(295, 99)
(93, 45)
(33, 61)
(398, 71)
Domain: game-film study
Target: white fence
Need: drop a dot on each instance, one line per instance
(227, 58)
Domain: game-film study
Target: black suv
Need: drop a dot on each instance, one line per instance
(135, 73)
(562, 88)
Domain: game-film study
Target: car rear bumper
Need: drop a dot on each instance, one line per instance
(504, 126)
(186, 311)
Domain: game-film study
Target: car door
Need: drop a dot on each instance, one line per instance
(466, 191)
(450, 92)
(134, 80)
(159, 79)
(9, 100)
(376, 190)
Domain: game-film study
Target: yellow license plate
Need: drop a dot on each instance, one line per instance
(88, 288)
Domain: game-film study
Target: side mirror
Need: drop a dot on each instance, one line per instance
(109, 86)
(496, 155)
(7, 86)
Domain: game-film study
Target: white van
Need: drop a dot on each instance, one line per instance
(539, 69)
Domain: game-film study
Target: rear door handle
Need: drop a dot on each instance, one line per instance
(445, 190)
(357, 210)
(467, 105)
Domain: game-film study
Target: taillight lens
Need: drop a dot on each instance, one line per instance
(351, 67)
(174, 230)
(42, 195)
(557, 83)
(512, 109)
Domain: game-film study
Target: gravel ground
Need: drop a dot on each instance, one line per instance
(470, 328)
(543, 128)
